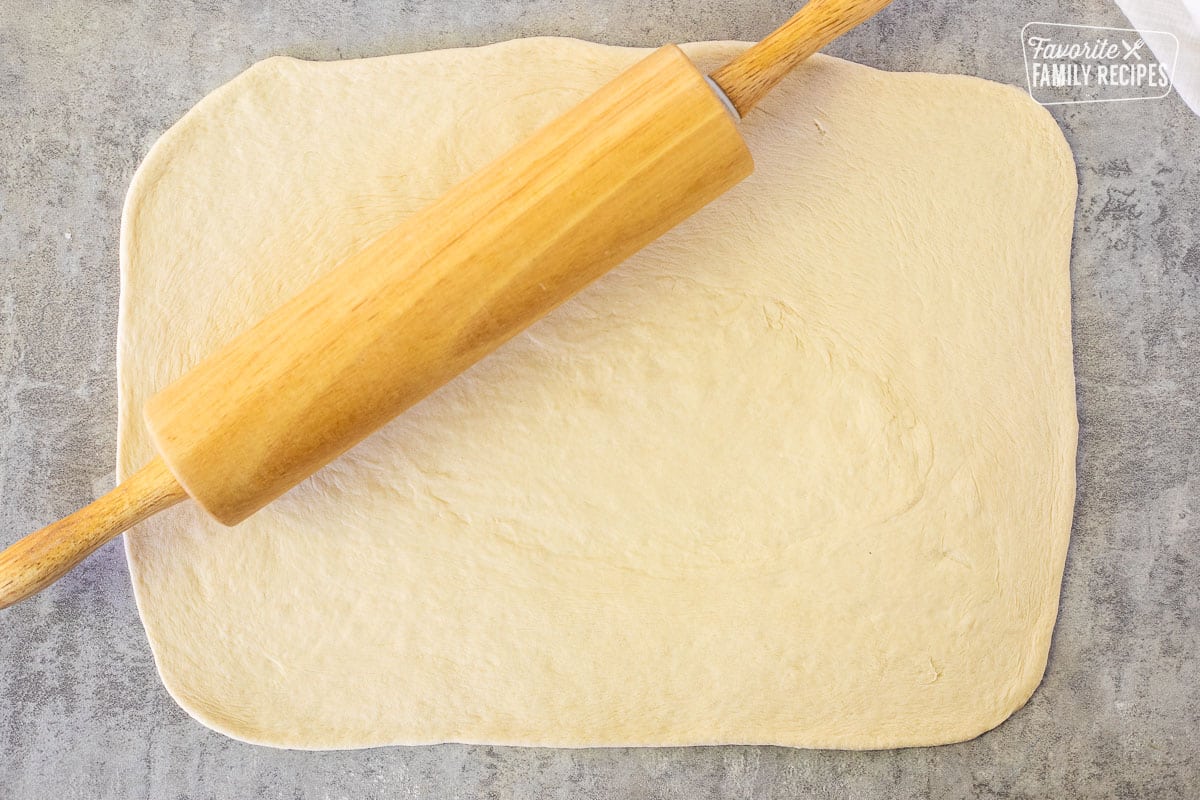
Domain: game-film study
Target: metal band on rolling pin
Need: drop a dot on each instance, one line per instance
(724, 98)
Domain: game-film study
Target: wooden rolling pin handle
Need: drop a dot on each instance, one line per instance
(755, 72)
(34, 562)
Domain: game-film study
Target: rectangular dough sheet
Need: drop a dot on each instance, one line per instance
(800, 473)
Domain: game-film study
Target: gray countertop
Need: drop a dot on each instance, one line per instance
(86, 87)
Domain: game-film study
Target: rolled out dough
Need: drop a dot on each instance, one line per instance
(801, 473)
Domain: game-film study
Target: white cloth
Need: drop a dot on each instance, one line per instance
(1178, 17)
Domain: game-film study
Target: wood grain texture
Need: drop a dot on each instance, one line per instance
(747, 78)
(34, 562)
(448, 285)
(439, 291)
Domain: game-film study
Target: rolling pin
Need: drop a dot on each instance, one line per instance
(439, 291)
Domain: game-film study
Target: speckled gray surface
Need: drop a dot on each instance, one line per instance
(86, 87)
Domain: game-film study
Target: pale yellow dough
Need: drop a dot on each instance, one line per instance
(801, 473)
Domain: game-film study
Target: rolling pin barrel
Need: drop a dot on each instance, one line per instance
(447, 286)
